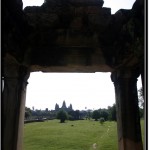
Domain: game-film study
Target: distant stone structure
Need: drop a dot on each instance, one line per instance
(64, 107)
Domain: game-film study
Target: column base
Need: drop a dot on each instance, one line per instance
(127, 144)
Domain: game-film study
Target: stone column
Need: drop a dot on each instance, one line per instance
(24, 74)
(128, 119)
(13, 103)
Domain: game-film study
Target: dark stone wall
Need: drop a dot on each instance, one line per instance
(15, 29)
(49, 35)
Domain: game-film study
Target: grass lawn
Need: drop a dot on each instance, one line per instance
(142, 130)
(72, 135)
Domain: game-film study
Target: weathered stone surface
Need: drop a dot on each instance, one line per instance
(75, 23)
(76, 2)
(128, 119)
(66, 24)
(16, 30)
(87, 2)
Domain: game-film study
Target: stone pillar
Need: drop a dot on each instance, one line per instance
(13, 103)
(128, 119)
(24, 74)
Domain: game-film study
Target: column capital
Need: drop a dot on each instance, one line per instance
(14, 70)
(125, 73)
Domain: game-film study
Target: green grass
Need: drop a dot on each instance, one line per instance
(52, 135)
(142, 130)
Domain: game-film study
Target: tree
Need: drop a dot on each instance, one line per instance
(62, 115)
(96, 115)
(141, 102)
(112, 113)
(141, 97)
(71, 114)
(77, 115)
(27, 112)
(104, 113)
(141, 111)
(39, 113)
(89, 114)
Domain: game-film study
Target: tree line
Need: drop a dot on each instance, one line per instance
(67, 113)
(70, 114)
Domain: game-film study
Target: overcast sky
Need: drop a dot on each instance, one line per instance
(82, 90)
(91, 90)
(113, 4)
